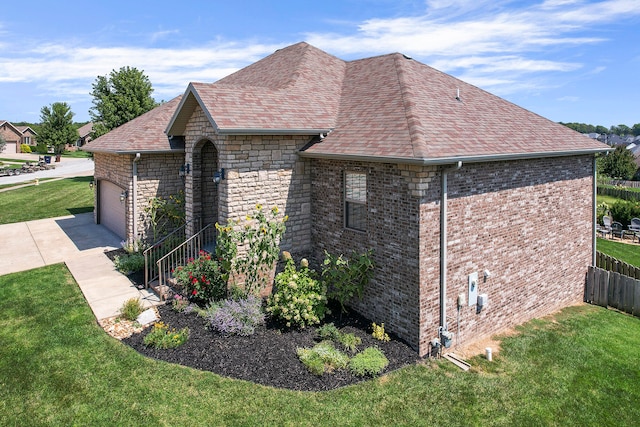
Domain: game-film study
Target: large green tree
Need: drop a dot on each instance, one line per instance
(56, 128)
(119, 97)
(618, 164)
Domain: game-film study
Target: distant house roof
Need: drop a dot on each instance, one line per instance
(385, 108)
(85, 130)
(5, 123)
(25, 129)
(142, 134)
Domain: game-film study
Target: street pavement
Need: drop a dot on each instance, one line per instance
(66, 167)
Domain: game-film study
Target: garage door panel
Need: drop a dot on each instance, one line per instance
(112, 210)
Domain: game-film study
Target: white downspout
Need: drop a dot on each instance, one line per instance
(134, 197)
(443, 245)
(595, 212)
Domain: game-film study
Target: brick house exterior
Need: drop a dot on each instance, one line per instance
(441, 179)
(12, 136)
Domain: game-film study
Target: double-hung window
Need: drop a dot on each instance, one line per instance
(355, 200)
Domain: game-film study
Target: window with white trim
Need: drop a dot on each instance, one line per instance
(355, 200)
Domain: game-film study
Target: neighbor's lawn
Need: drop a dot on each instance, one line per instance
(57, 367)
(77, 154)
(620, 251)
(47, 200)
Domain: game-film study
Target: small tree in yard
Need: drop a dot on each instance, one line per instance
(57, 128)
(3, 142)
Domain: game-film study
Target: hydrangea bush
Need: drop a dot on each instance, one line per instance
(299, 299)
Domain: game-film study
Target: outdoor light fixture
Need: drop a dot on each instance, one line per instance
(185, 169)
(123, 195)
(218, 176)
(91, 184)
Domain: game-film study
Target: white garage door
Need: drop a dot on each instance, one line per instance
(112, 210)
(10, 147)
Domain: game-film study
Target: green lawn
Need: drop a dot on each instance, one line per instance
(47, 200)
(58, 368)
(620, 251)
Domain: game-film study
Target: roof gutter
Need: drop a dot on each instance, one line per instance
(106, 151)
(451, 160)
(257, 131)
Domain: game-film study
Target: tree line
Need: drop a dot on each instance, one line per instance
(620, 130)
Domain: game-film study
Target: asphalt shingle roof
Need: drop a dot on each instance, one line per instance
(145, 133)
(385, 107)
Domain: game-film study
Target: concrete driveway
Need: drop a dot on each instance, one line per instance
(80, 243)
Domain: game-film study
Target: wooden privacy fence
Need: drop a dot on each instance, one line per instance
(619, 193)
(633, 184)
(610, 289)
(609, 263)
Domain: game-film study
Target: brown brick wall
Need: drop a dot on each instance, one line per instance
(392, 232)
(529, 224)
(517, 219)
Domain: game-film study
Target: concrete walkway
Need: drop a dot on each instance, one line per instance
(80, 243)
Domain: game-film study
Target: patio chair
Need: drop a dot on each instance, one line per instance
(605, 228)
(617, 229)
(634, 228)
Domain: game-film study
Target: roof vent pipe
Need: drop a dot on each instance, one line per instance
(443, 243)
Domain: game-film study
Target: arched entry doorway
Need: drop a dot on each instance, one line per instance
(205, 191)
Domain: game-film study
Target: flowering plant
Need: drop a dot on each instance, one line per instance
(299, 299)
(261, 237)
(201, 279)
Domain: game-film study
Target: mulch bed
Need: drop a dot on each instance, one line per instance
(267, 357)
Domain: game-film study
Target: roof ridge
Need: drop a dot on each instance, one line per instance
(414, 125)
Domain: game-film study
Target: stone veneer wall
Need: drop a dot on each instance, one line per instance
(259, 169)
(157, 176)
(527, 222)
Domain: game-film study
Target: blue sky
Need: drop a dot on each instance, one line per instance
(567, 60)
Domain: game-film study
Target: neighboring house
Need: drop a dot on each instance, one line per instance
(28, 135)
(443, 180)
(12, 136)
(84, 134)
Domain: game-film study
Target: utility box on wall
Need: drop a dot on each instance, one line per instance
(473, 289)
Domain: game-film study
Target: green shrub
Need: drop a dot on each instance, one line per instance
(371, 361)
(201, 279)
(323, 357)
(131, 309)
(162, 336)
(299, 299)
(622, 211)
(25, 148)
(350, 341)
(328, 331)
(346, 278)
(129, 263)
